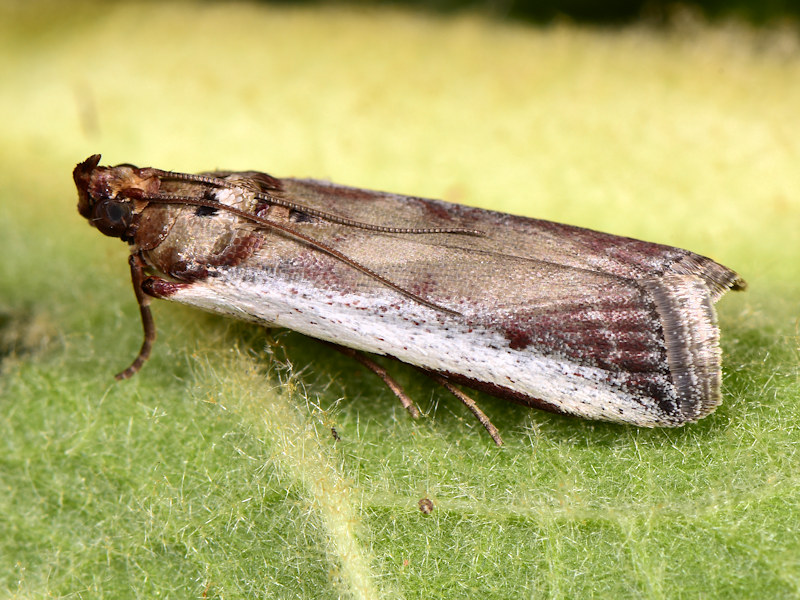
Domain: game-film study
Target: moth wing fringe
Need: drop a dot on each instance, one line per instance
(685, 306)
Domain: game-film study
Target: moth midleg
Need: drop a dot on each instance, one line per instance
(390, 382)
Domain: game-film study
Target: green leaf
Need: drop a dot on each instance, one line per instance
(214, 472)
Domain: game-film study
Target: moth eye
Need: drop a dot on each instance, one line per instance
(112, 218)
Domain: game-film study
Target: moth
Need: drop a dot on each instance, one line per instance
(547, 315)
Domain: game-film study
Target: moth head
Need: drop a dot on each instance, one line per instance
(111, 198)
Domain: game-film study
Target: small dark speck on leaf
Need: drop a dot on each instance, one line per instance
(426, 506)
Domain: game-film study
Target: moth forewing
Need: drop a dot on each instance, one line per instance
(548, 315)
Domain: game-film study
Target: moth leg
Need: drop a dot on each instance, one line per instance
(137, 278)
(471, 405)
(380, 372)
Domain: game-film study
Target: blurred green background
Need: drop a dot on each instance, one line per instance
(214, 473)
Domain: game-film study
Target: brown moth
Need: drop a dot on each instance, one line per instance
(547, 315)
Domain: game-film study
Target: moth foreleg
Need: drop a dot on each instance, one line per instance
(146, 288)
(137, 278)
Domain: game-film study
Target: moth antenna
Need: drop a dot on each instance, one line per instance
(148, 324)
(333, 218)
(174, 199)
(361, 224)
